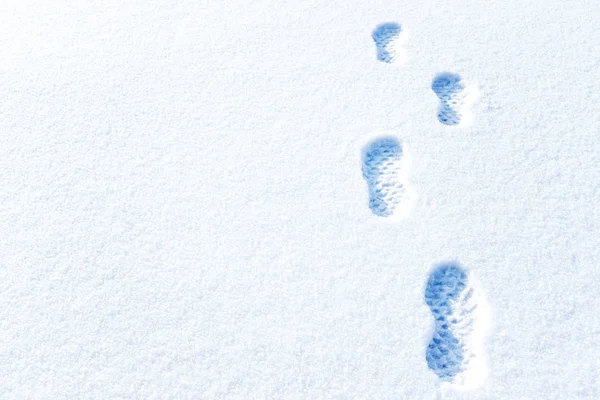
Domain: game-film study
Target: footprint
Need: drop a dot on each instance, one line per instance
(389, 39)
(456, 350)
(385, 168)
(456, 98)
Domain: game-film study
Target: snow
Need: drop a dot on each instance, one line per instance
(456, 99)
(456, 352)
(390, 41)
(386, 170)
(184, 213)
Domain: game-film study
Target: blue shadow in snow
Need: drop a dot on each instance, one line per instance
(379, 157)
(449, 88)
(384, 35)
(445, 353)
(446, 83)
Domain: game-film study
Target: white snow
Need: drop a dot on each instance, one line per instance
(183, 213)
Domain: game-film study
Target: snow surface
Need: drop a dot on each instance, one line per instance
(456, 352)
(184, 215)
(456, 99)
(390, 42)
(386, 170)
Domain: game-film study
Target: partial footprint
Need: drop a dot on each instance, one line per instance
(456, 351)
(456, 98)
(385, 168)
(390, 39)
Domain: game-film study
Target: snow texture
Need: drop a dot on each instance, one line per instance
(456, 350)
(456, 99)
(183, 213)
(385, 168)
(389, 41)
